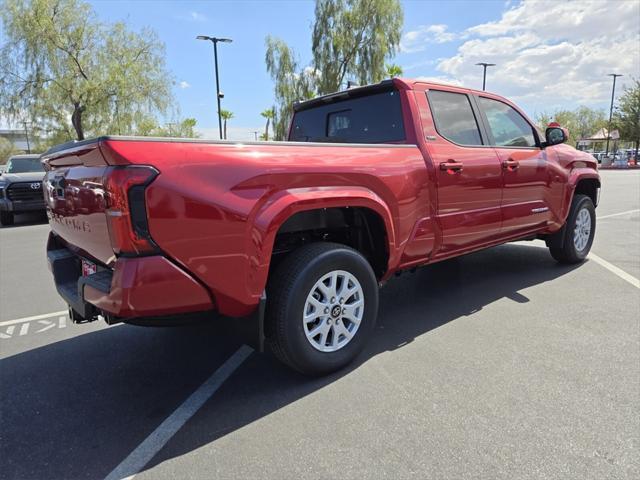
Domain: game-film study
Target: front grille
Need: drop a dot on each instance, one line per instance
(25, 191)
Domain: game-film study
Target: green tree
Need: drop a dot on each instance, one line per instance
(588, 121)
(582, 122)
(7, 149)
(627, 115)
(226, 115)
(291, 83)
(394, 71)
(268, 114)
(543, 119)
(73, 76)
(351, 39)
(184, 128)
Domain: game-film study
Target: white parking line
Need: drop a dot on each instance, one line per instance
(151, 445)
(615, 270)
(24, 328)
(618, 214)
(31, 319)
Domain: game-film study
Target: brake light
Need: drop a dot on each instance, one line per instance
(126, 209)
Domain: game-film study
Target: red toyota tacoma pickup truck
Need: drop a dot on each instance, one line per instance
(299, 235)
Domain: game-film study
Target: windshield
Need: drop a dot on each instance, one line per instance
(375, 118)
(23, 165)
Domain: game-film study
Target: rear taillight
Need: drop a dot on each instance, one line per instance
(126, 209)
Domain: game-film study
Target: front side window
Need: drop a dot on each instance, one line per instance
(508, 127)
(454, 117)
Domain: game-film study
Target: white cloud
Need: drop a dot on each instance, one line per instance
(440, 79)
(417, 40)
(197, 16)
(193, 16)
(184, 84)
(552, 54)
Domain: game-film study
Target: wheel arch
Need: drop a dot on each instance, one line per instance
(298, 207)
(581, 181)
(589, 186)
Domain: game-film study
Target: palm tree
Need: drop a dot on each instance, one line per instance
(268, 114)
(394, 70)
(226, 115)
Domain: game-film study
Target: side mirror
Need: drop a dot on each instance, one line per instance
(555, 136)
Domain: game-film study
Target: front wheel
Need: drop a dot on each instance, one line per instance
(579, 232)
(322, 303)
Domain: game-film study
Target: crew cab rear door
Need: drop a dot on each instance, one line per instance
(528, 181)
(468, 172)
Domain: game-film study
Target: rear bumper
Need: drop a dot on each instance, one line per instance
(135, 288)
(19, 206)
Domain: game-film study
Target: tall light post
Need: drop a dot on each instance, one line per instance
(484, 72)
(613, 94)
(219, 94)
(26, 134)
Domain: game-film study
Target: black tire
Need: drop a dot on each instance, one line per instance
(6, 218)
(287, 293)
(568, 253)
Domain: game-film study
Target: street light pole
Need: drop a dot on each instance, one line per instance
(215, 59)
(26, 134)
(219, 94)
(613, 93)
(484, 72)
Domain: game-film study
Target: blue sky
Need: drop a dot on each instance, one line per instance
(247, 87)
(549, 55)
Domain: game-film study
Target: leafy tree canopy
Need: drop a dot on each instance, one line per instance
(6, 150)
(73, 76)
(582, 122)
(627, 115)
(351, 40)
(394, 70)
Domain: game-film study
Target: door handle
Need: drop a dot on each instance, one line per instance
(451, 167)
(511, 165)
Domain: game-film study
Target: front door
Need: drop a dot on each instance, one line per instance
(527, 178)
(468, 172)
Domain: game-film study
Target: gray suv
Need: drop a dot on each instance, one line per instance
(21, 187)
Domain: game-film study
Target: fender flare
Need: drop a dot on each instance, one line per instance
(556, 239)
(265, 222)
(575, 176)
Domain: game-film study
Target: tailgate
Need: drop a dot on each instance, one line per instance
(76, 200)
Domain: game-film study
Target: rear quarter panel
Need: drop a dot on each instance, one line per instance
(216, 208)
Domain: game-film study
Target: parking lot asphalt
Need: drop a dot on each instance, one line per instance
(497, 365)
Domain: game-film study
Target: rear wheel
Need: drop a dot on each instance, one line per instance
(322, 303)
(6, 218)
(579, 232)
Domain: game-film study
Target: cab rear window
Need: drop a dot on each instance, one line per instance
(375, 118)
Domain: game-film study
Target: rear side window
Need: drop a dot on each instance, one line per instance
(508, 127)
(375, 118)
(454, 117)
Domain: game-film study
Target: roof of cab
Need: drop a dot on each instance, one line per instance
(24, 156)
(398, 83)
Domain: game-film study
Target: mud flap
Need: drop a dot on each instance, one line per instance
(556, 240)
(252, 327)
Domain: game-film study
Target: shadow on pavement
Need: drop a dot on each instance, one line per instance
(78, 407)
(25, 219)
